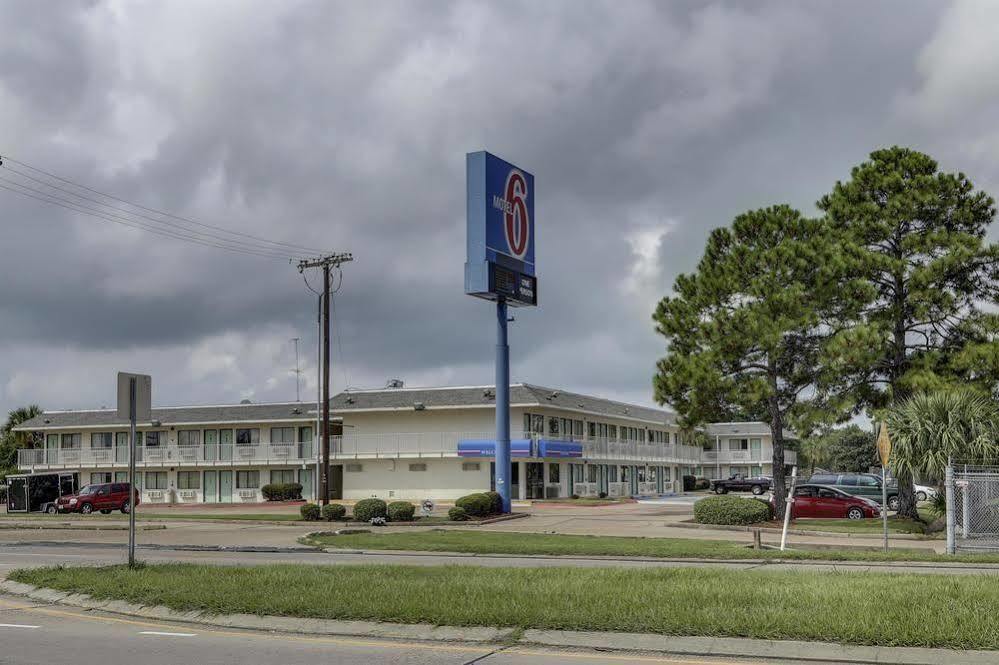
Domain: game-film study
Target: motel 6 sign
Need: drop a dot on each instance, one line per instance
(500, 233)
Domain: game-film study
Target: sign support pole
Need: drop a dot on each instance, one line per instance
(788, 500)
(131, 472)
(503, 406)
(884, 504)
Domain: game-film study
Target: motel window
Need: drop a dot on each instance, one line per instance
(305, 434)
(738, 444)
(527, 423)
(554, 474)
(101, 440)
(470, 466)
(70, 441)
(591, 430)
(625, 474)
(666, 474)
(153, 441)
(577, 472)
(247, 480)
(577, 428)
(565, 428)
(282, 435)
(121, 476)
(591, 473)
(52, 441)
(537, 424)
(156, 480)
(188, 480)
(121, 439)
(641, 474)
(418, 467)
(603, 430)
(353, 468)
(553, 426)
(282, 476)
(100, 477)
(612, 432)
(189, 437)
(247, 437)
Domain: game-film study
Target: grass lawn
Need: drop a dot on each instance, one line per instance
(491, 542)
(859, 608)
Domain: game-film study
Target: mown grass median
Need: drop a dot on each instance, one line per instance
(858, 608)
(491, 542)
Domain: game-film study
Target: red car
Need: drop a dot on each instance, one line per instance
(822, 501)
(104, 497)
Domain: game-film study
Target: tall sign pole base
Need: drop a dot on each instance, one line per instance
(503, 471)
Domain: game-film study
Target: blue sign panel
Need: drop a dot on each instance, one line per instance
(500, 231)
(487, 448)
(549, 448)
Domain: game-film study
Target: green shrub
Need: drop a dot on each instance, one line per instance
(310, 512)
(400, 511)
(767, 505)
(333, 512)
(701, 483)
(689, 482)
(282, 491)
(367, 509)
(497, 502)
(727, 509)
(476, 505)
(457, 514)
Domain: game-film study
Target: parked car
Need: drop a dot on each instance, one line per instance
(924, 492)
(740, 483)
(104, 497)
(866, 485)
(829, 502)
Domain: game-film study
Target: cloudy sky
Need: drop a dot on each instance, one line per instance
(345, 125)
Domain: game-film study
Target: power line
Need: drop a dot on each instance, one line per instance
(131, 216)
(171, 232)
(181, 218)
(198, 241)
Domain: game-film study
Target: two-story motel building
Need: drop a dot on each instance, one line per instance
(405, 443)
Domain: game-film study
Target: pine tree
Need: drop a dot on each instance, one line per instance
(916, 235)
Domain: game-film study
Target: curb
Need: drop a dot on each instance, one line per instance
(70, 526)
(800, 532)
(805, 563)
(293, 549)
(606, 642)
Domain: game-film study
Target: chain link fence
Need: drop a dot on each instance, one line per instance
(972, 508)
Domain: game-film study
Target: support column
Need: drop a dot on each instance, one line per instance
(503, 409)
(522, 485)
(544, 480)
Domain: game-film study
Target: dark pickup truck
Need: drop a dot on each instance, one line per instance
(740, 483)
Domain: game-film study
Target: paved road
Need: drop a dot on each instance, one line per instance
(34, 633)
(22, 556)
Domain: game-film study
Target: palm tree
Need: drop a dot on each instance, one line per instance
(10, 440)
(929, 428)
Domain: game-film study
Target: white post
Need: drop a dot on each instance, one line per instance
(884, 504)
(522, 477)
(787, 508)
(949, 493)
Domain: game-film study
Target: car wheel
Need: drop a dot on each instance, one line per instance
(52, 510)
(920, 496)
(893, 503)
(757, 490)
(855, 514)
(125, 507)
(105, 511)
(86, 509)
(719, 490)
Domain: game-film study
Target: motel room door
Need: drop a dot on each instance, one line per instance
(211, 487)
(225, 486)
(535, 480)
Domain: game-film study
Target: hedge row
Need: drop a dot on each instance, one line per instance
(364, 511)
(480, 504)
(726, 509)
(282, 491)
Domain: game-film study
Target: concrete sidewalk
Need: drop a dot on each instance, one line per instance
(603, 642)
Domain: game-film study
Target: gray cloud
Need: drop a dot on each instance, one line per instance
(340, 125)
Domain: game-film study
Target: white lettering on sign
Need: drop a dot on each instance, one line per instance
(502, 204)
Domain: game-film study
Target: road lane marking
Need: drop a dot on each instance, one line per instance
(166, 634)
(17, 625)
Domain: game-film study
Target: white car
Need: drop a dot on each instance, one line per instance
(924, 492)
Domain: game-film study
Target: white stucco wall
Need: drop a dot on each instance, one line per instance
(392, 480)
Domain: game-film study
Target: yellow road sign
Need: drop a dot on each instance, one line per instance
(884, 445)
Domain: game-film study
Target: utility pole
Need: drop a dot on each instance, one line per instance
(298, 372)
(327, 263)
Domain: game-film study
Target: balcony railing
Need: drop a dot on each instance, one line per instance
(217, 454)
(758, 456)
(445, 444)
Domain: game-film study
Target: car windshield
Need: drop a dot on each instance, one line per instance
(89, 489)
